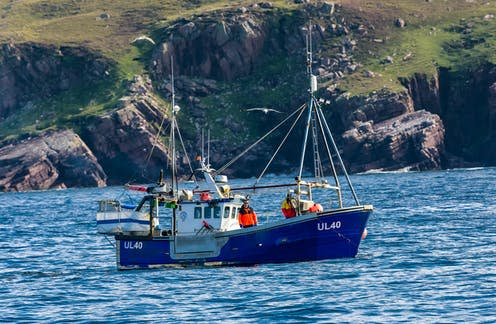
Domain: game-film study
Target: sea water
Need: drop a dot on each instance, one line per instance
(430, 255)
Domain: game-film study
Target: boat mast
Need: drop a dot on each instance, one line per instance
(173, 132)
(315, 113)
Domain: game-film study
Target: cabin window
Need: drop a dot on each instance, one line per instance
(198, 212)
(217, 212)
(227, 211)
(208, 212)
(234, 212)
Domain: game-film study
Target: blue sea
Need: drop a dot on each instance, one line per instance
(430, 256)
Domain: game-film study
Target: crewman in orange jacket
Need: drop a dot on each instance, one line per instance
(246, 215)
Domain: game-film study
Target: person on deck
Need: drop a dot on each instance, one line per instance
(288, 207)
(246, 215)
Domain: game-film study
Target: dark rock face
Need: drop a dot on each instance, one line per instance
(220, 50)
(383, 131)
(224, 45)
(424, 91)
(465, 102)
(32, 71)
(379, 106)
(52, 160)
(413, 140)
(125, 141)
(466, 111)
(489, 151)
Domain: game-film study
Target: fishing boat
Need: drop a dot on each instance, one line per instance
(203, 225)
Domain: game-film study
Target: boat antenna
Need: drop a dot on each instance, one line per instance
(310, 101)
(202, 143)
(309, 48)
(172, 83)
(208, 147)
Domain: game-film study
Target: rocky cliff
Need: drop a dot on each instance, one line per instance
(224, 60)
(54, 159)
(465, 102)
(228, 45)
(224, 45)
(384, 131)
(125, 140)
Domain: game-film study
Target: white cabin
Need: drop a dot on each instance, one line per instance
(216, 214)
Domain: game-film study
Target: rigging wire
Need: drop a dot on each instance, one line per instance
(155, 144)
(305, 140)
(329, 154)
(108, 240)
(203, 143)
(302, 109)
(228, 164)
(150, 153)
(208, 148)
(174, 182)
(317, 163)
(326, 144)
(185, 153)
(328, 130)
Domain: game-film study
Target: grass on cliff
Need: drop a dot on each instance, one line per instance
(110, 26)
(68, 108)
(106, 26)
(436, 35)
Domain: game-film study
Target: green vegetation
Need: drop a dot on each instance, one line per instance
(436, 35)
(451, 34)
(106, 26)
(66, 109)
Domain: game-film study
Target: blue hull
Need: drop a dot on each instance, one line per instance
(326, 235)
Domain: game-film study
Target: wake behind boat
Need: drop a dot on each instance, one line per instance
(213, 223)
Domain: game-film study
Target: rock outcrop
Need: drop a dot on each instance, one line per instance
(464, 100)
(383, 131)
(224, 45)
(413, 140)
(125, 141)
(55, 159)
(222, 49)
(378, 106)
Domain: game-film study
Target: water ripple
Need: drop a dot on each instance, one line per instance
(429, 257)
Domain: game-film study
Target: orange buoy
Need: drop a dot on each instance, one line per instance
(205, 196)
(364, 234)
